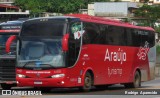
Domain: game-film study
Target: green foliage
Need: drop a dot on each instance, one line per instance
(157, 29)
(158, 49)
(152, 13)
(33, 5)
(55, 6)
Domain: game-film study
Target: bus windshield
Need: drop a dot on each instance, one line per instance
(41, 52)
(41, 44)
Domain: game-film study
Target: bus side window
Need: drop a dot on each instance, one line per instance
(144, 37)
(116, 35)
(136, 38)
(86, 37)
(129, 36)
(147, 38)
(101, 38)
(151, 39)
(91, 33)
(74, 43)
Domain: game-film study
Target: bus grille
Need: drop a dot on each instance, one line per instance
(7, 70)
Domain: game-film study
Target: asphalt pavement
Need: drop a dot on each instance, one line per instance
(149, 89)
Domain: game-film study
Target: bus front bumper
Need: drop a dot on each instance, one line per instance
(42, 82)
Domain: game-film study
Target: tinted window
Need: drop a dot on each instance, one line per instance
(140, 37)
(129, 37)
(102, 37)
(91, 33)
(116, 36)
(75, 30)
(151, 39)
(43, 28)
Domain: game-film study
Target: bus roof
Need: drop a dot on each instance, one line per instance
(87, 18)
(94, 19)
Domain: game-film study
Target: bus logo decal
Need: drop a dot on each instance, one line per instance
(143, 51)
(78, 34)
(119, 56)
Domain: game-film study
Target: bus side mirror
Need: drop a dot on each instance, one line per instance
(9, 42)
(65, 42)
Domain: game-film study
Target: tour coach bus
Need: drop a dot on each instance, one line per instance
(8, 60)
(83, 51)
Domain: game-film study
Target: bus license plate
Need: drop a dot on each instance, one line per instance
(37, 82)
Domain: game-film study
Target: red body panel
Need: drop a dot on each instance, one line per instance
(101, 59)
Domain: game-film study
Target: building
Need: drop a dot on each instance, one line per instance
(112, 9)
(10, 12)
(129, 0)
(150, 2)
(7, 2)
(154, 2)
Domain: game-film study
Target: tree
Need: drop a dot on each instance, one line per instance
(56, 6)
(33, 5)
(152, 13)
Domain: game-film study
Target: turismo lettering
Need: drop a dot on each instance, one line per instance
(119, 56)
(114, 71)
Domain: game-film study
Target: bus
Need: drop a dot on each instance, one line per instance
(83, 51)
(8, 60)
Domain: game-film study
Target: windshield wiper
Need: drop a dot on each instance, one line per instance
(37, 65)
(29, 61)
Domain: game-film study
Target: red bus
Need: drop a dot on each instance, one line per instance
(83, 51)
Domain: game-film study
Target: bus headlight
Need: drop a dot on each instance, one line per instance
(21, 76)
(58, 76)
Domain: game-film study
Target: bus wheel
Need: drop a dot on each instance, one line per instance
(6, 86)
(87, 82)
(136, 82)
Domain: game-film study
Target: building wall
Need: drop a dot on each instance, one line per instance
(91, 9)
(111, 9)
(7, 0)
(156, 1)
(130, 0)
(11, 13)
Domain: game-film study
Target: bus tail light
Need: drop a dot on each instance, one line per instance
(58, 76)
(9, 42)
(65, 42)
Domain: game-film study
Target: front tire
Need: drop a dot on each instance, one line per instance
(87, 82)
